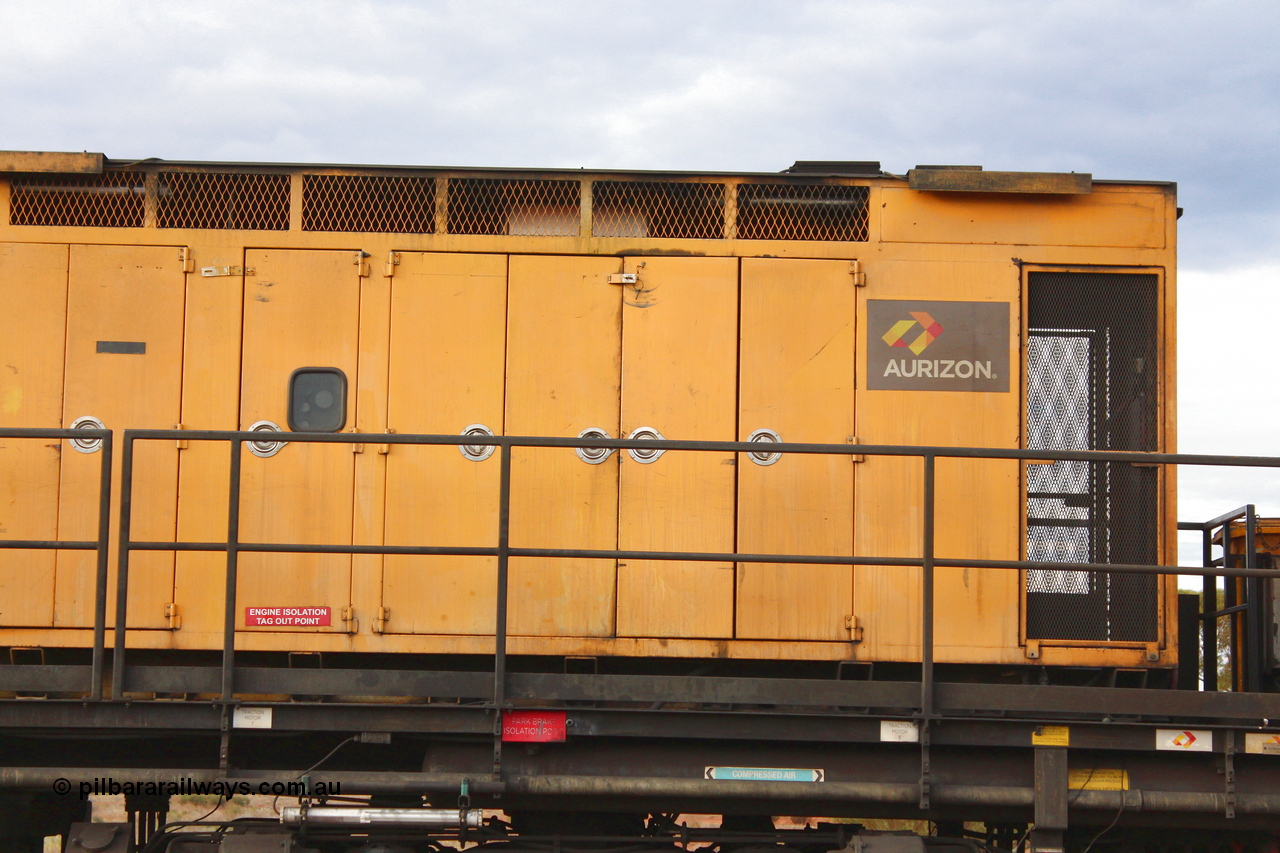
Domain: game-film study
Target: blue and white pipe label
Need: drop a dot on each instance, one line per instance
(765, 774)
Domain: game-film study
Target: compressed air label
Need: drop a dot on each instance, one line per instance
(899, 731)
(1051, 736)
(1262, 743)
(764, 774)
(1184, 740)
(251, 718)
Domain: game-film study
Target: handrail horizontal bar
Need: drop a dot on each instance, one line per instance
(48, 545)
(707, 557)
(731, 446)
(49, 432)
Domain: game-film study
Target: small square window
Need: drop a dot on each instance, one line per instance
(317, 399)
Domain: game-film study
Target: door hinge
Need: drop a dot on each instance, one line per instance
(181, 443)
(380, 621)
(361, 260)
(384, 449)
(855, 630)
(389, 268)
(857, 457)
(349, 616)
(859, 277)
(175, 618)
(187, 259)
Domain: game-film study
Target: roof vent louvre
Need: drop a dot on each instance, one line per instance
(109, 200)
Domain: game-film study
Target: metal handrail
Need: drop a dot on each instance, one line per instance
(101, 544)
(503, 551)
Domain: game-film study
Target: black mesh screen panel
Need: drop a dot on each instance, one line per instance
(1092, 384)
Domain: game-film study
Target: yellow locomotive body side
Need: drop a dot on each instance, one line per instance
(550, 326)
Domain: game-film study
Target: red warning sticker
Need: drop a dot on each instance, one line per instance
(288, 617)
(535, 726)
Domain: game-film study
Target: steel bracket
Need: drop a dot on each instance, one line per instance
(1229, 772)
(924, 765)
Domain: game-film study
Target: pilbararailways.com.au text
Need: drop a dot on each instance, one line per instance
(187, 787)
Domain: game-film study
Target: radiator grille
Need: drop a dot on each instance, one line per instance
(802, 212)
(238, 202)
(109, 200)
(531, 208)
(368, 203)
(653, 209)
(1091, 385)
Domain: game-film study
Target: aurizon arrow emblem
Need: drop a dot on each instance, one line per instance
(1184, 740)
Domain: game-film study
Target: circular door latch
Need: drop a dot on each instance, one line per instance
(594, 455)
(477, 452)
(87, 445)
(764, 457)
(264, 448)
(645, 455)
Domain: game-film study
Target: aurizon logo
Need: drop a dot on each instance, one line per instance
(897, 335)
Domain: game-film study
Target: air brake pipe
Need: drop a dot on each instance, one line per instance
(326, 816)
(1134, 801)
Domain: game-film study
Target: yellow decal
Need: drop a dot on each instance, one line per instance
(11, 399)
(1051, 736)
(1098, 780)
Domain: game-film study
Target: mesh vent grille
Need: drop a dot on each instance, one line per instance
(651, 209)
(249, 202)
(368, 203)
(530, 208)
(1091, 366)
(109, 200)
(802, 212)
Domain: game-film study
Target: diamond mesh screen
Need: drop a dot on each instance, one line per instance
(109, 200)
(802, 212)
(532, 208)
(652, 209)
(249, 202)
(368, 203)
(1091, 385)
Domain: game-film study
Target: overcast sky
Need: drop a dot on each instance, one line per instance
(1159, 90)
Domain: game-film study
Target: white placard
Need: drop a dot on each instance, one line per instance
(251, 718)
(899, 731)
(1185, 740)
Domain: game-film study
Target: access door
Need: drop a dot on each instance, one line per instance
(564, 323)
(123, 367)
(300, 357)
(33, 283)
(796, 385)
(679, 370)
(448, 348)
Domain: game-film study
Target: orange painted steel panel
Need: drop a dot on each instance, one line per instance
(563, 368)
(301, 309)
(124, 367)
(33, 285)
(976, 607)
(679, 365)
(448, 348)
(796, 378)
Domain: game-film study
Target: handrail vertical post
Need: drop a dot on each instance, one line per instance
(122, 566)
(100, 584)
(926, 598)
(233, 560)
(504, 551)
(1208, 624)
(1255, 632)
